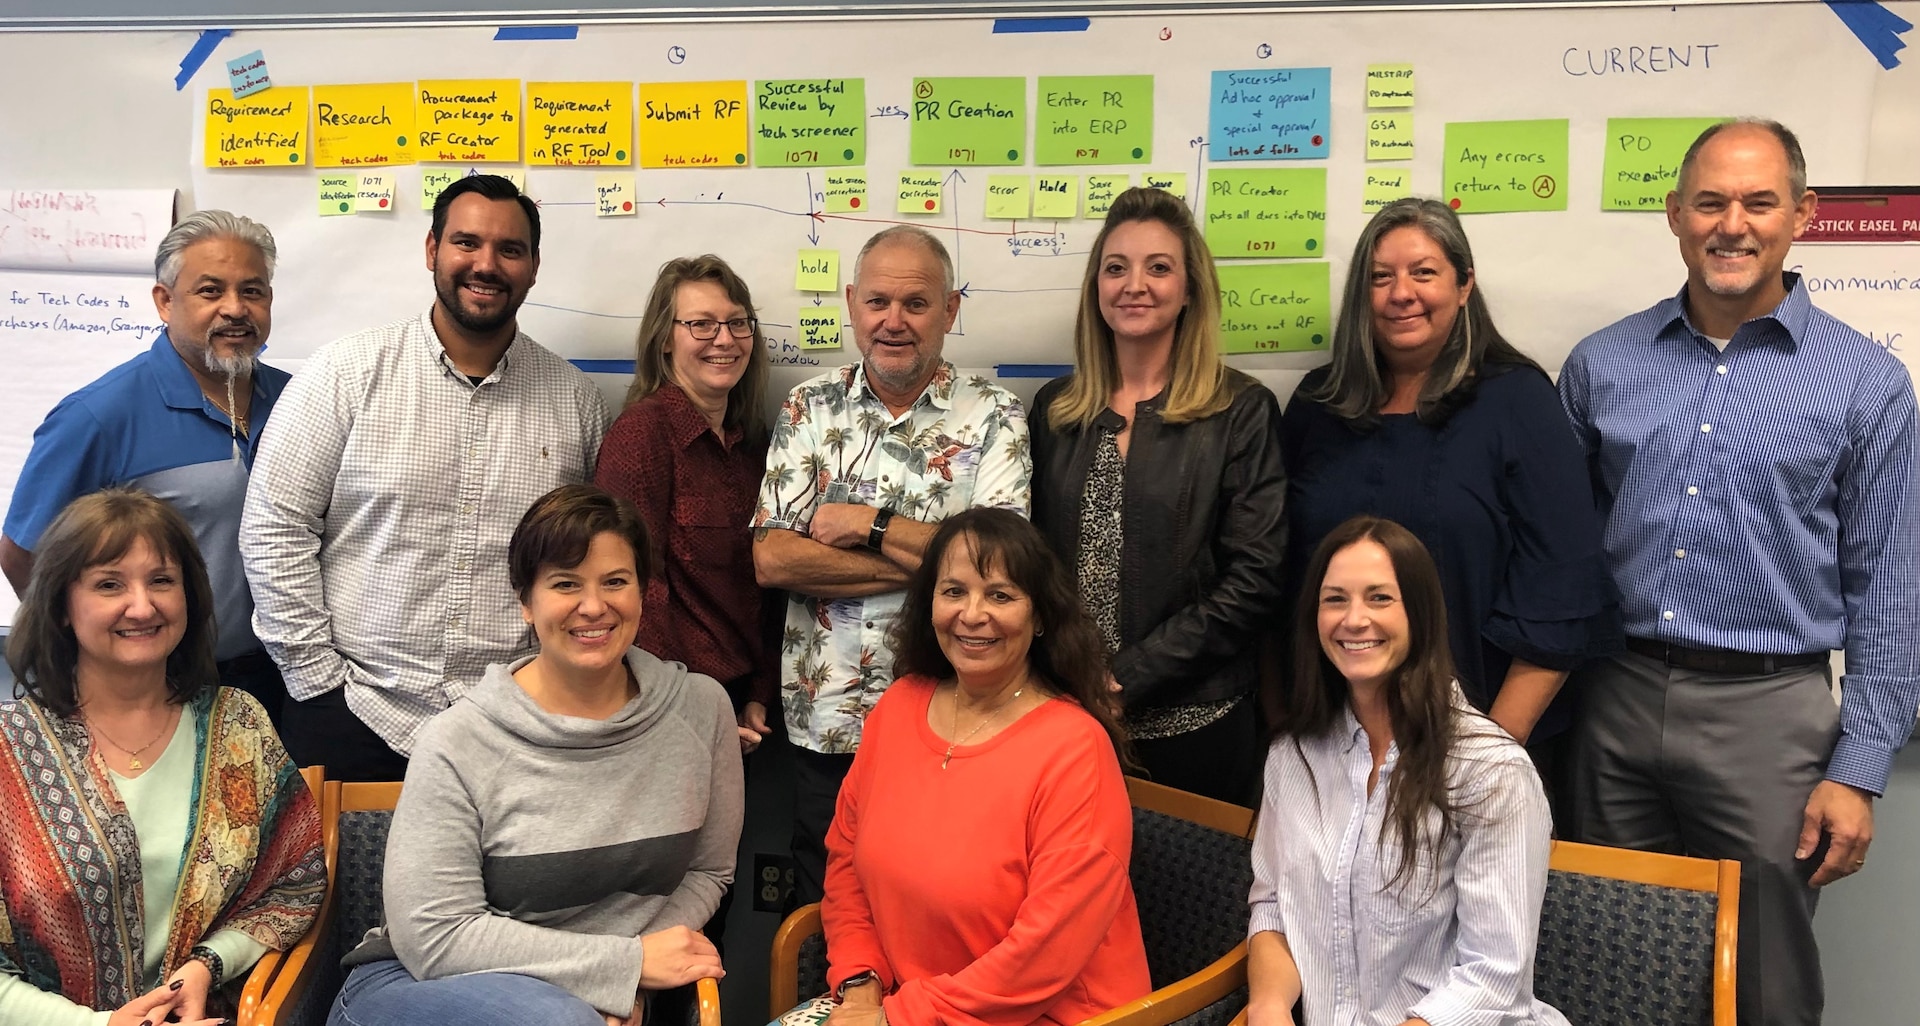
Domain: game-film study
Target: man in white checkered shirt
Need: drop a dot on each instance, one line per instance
(397, 465)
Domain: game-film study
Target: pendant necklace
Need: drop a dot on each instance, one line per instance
(951, 745)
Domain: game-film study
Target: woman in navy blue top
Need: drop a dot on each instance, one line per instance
(1428, 417)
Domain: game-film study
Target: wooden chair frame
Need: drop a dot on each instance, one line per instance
(260, 978)
(1168, 1004)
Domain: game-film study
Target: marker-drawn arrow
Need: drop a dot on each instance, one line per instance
(1878, 29)
(889, 112)
(813, 233)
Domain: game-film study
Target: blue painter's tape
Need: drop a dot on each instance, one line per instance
(202, 49)
(1001, 25)
(603, 366)
(1032, 370)
(537, 32)
(1878, 28)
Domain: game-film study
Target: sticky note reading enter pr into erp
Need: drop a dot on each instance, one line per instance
(374, 194)
(266, 129)
(1643, 159)
(1390, 136)
(1500, 166)
(693, 124)
(1101, 190)
(819, 327)
(363, 124)
(810, 122)
(579, 124)
(468, 120)
(1094, 119)
(969, 121)
(613, 193)
(339, 194)
(1009, 196)
(1383, 187)
(845, 192)
(920, 192)
(1389, 85)
(1267, 212)
(1275, 308)
(1056, 196)
(818, 271)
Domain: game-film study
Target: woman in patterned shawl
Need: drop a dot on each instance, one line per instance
(155, 840)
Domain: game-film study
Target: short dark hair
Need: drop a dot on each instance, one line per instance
(493, 187)
(560, 526)
(92, 530)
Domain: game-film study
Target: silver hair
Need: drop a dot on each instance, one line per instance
(210, 224)
(1789, 144)
(916, 235)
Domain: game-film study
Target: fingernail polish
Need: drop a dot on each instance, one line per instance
(175, 985)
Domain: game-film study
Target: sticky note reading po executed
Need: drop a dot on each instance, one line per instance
(810, 122)
(339, 194)
(819, 327)
(693, 124)
(1056, 196)
(1390, 136)
(920, 192)
(267, 129)
(845, 191)
(1267, 212)
(579, 124)
(1271, 114)
(374, 194)
(1009, 196)
(248, 74)
(1101, 189)
(1094, 119)
(1275, 308)
(1383, 187)
(613, 193)
(1498, 166)
(468, 120)
(1389, 85)
(969, 121)
(818, 271)
(1643, 159)
(363, 124)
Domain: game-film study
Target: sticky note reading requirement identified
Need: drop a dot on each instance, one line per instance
(579, 124)
(1271, 114)
(355, 125)
(1280, 212)
(810, 122)
(1642, 162)
(693, 124)
(1094, 119)
(468, 120)
(1276, 308)
(1501, 166)
(969, 121)
(267, 129)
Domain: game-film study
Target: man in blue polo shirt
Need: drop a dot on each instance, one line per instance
(179, 421)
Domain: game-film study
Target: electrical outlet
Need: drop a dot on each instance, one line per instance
(772, 882)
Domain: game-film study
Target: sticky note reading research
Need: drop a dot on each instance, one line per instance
(355, 125)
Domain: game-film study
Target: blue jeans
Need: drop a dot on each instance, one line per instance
(386, 994)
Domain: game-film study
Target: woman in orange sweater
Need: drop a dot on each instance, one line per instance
(977, 864)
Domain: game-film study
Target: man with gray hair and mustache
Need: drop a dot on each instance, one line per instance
(180, 421)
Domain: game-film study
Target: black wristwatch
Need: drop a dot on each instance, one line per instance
(878, 532)
(840, 992)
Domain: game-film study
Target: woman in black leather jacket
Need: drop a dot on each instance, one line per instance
(1158, 477)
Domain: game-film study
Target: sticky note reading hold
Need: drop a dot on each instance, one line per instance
(819, 271)
(1643, 158)
(1389, 85)
(374, 194)
(1009, 196)
(969, 121)
(475, 120)
(363, 124)
(693, 124)
(819, 327)
(845, 191)
(920, 192)
(613, 193)
(433, 180)
(1274, 114)
(267, 129)
(810, 122)
(1275, 308)
(1498, 166)
(1094, 119)
(1390, 136)
(1278, 212)
(1168, 181)
(1101, 189)
(1056, 196)
(338, 194)
(248, 74)
(579, 124)
(1383, 187)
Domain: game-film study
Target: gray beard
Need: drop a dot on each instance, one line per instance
(232, 368)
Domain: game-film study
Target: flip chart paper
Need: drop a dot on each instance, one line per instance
(810, 122)
(266, 129)
(1094, 119)
(1498, 166)
(1266, 212)
(693, 124)
(357, 125)
(113, 230)
(579, 124)
(1275, 308)
(468, 120)
(969, 121)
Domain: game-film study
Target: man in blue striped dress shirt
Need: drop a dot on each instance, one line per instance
(1754, 459)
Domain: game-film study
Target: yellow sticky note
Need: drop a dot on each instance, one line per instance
(693, 124)
(920, 192)
(355, 125)
(845, 192)
(1390, 136)
(338, 194)
(263, 129)
(374, 194)
(435, 179)
(579, 124)
(1383, 187)
(465, 120)
(819, 327)
(1389, 85)
(1056, 196)
(819, 271)
(1101, 189)
(614, 194)
(1172, 181)
(1009, 196)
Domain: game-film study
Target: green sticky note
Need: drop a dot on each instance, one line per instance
(1009, 196)
(432, 181)
(819, 271)
(969, 121)
(1390, 136)
(339, 194)
(1384, 186)
(810, 122)
(1499, 166)
(819, 327)
(1056, 196)
(845, 192)
(1276, 308)
(1094, 119)
(1643, 159)
(1278, 212)
(920, 192)
(1101, 190)
(1389, 85)
(1171, 181)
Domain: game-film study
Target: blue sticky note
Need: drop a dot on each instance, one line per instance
(1269, 114)
(248, 74)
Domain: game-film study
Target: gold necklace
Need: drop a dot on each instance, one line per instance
(951, 745)
(133, 755)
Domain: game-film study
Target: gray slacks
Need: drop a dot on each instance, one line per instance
(1716, 766)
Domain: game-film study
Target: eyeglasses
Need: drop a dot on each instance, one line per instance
(706, 330)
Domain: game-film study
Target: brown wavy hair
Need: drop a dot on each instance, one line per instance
(746, 403)
(559, 528)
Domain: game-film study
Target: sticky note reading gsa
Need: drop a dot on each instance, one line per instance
(374, 194)
(845, 191)
(1500, 166)
(818, 271)
(1383, 187)
(1101, 190)
(1009, 196)
(266, 129)
(1056, 196)
(1390, 136)
(920, 192)
(613, 194)
(338, 194)
(819, 327)
(356, 125)
(1389, 85)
